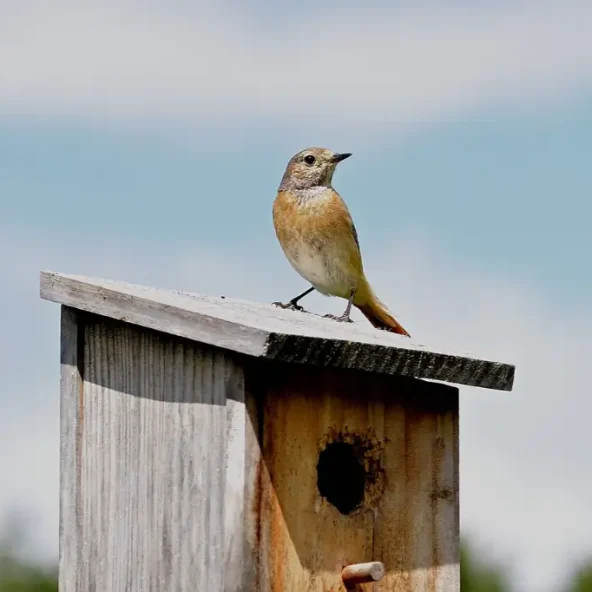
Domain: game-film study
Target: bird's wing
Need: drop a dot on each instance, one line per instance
(342, 225)
(345, 217)
(354, 232)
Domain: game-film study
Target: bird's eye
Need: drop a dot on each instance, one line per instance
(309, 159)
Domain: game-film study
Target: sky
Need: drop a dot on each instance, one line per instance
(145, 142)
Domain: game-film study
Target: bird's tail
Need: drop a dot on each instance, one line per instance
(377, 313)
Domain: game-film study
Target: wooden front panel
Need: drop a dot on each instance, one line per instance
(404, 434)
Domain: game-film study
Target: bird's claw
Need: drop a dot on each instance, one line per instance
(288, 305)
(341, 319)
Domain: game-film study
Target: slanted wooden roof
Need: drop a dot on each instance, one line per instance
(265, 331)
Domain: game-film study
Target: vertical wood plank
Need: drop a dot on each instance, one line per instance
(236, 452)
(71, 427)
(417, 524)
(152, 462)
(409, 522)
(446, 499)
(300, 541)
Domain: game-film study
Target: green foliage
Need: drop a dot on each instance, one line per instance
(478, 576)
(582, 579)
(17, 575)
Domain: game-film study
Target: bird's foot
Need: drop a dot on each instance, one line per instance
(344, 318)
(288, 305)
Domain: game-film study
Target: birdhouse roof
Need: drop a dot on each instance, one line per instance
(265, 331)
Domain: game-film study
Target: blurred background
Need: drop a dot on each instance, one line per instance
(144, 141)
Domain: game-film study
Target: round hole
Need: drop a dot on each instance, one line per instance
(341, 477)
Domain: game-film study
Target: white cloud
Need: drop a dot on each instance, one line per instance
(193, 63)
(524, 490)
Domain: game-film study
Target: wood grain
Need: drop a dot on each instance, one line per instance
(264, 331)
(144, 479)
(417, 525)
(71, 426)
(301, 541)
(187, 467)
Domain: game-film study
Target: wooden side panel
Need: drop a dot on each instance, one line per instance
(242, 529)
(150, 471)
(407, 433)
(241, 444)
(71, 425)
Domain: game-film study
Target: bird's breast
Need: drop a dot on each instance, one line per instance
(312, 239)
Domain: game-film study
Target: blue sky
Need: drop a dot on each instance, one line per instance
(152, 154)
(511, 194)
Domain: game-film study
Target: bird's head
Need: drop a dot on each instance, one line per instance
(313, 167)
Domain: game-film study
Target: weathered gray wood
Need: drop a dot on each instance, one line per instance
(263, 330)
(71, 387)
(240, 442)
(144, 479)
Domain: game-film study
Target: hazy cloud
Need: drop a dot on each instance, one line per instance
(197, 62)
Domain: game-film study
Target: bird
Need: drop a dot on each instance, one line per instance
(317, 235)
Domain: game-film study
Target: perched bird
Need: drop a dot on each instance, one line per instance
(318, 236)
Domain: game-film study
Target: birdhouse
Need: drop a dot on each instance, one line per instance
(222, 445)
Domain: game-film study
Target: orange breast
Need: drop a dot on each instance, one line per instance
(323, 218)
(317, 236)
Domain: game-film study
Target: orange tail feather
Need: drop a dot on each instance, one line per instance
(380, 317)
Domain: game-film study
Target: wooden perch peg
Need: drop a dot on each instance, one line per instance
(362, 573)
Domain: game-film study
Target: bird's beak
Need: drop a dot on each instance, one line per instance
(342, 156)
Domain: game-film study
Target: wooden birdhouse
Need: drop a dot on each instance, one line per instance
(217, 445)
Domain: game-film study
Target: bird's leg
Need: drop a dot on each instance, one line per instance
(344, 318)
(293, 304)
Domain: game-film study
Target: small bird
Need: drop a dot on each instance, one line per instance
(318, 237)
